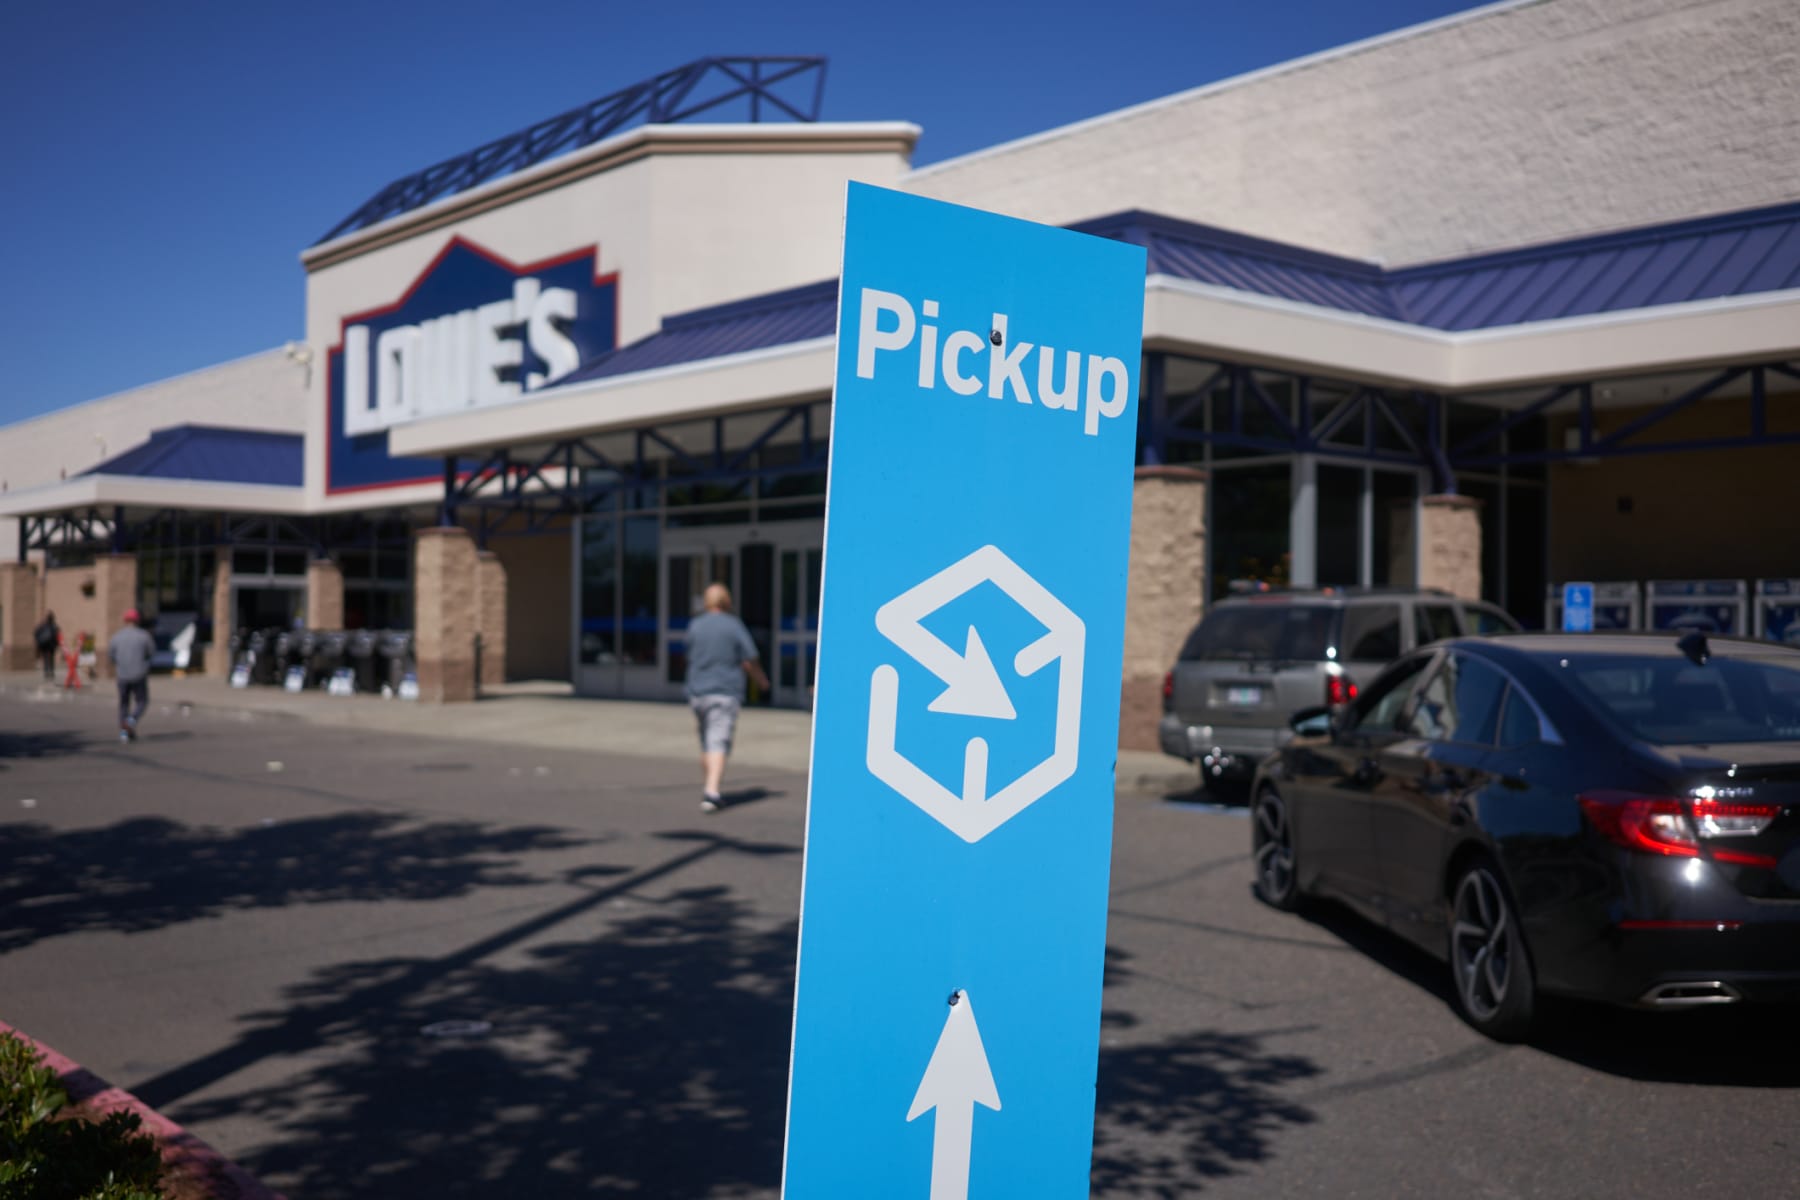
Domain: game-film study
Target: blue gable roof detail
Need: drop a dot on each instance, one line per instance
(776, 319)
(1732, 254)
(209, 454)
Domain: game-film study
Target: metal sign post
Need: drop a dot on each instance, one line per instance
(959, 826)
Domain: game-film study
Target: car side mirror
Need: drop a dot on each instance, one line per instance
(1312, 722)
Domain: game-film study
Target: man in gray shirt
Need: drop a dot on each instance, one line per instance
(130, 651)
(720, 654)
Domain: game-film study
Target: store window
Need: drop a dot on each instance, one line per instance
(1394, 537)
(638, 597)
(599, 636)
(1339, 543)
(1250, 545)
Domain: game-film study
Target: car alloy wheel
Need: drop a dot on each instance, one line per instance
(1272, 846)
(1494, 984)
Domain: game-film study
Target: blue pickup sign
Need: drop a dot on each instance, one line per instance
(959, 825)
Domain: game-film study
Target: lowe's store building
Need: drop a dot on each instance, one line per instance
(1487, 304)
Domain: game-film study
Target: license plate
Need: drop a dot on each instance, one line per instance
(1243, 695)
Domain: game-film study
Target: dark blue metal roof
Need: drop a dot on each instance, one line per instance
(1249, 264)
(1734, 254)
(776, 319)
(213, 455)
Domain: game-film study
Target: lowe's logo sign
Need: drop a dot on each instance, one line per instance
(473, 330)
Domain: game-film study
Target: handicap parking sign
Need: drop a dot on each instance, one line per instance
(1578, 608)
(959, 823)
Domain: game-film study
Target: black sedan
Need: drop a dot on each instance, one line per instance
(1613, 817)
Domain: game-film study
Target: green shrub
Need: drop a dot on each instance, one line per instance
(71, 1159)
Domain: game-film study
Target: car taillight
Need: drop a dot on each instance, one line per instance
(1339, 689)
(1732, 818)
(1661, 824)
(1168, 690)
(1654, 824)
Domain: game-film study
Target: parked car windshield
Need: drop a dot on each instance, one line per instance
(1276, 632)
(1671, 701)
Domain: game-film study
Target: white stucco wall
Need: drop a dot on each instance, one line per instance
(261, 391)
(1515, 124)
(687, 216)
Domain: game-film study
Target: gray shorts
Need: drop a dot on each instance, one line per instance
(718, 719)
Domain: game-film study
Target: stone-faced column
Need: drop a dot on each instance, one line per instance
(324, 594)
(224, 621)
(115, 590)
(1167, 591)
(1450, 545)
(446, 607)
(490, 575)
(19, 616)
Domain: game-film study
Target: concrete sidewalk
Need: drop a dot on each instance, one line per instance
(546, 715)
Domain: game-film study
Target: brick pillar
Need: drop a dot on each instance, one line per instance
(446, 607)
(1450, 545)
(19, 616)
(115, 590)
(490, 574)
(324, 595)
(224, 621)
(1167, 591)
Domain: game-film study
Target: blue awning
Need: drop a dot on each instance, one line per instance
(211, 454)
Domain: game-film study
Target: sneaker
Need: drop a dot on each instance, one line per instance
(709, 804)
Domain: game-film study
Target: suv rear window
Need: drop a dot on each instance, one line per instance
(1372, 633)
(1264, 633)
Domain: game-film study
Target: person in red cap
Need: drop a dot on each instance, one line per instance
(130, 650)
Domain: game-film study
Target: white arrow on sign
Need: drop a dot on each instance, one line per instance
(973, 688)
(956, 1080)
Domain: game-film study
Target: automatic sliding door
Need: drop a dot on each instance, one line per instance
(797, 633)
(690, 566)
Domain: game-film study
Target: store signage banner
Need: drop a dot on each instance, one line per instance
(473, 330)
(959, 824)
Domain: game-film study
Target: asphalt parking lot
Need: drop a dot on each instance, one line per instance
(369, 964)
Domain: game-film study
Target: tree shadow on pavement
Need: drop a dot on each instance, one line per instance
(148, 873)
(1174, 1113)
(48, 744)
(647, 1057)
(649, 1061)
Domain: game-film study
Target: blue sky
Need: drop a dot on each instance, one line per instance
(164, 164)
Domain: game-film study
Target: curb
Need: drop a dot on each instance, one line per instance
(181, 1151)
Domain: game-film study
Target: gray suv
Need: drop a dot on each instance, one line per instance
(1254, 660)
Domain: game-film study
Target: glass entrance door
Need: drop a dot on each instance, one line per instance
(797, 624)
(692, 560)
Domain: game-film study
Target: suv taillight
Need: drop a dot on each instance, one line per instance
(1661, 824)
(1168, 691)
(1339, 689)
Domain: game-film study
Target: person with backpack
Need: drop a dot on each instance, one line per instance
(47, 635)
